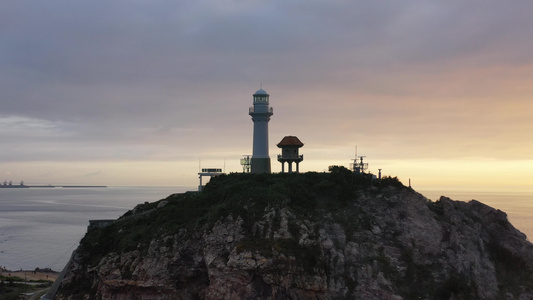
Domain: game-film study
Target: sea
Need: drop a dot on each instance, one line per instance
(40, 227)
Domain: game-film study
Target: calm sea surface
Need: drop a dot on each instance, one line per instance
(40, 227)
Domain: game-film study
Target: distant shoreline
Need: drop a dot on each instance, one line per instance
(83, 186)
(50, 186)
(37, 274)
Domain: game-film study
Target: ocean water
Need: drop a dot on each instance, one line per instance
(40, 227)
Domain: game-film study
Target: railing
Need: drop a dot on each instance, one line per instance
(359, 167)
(290, 157)
(269, 110)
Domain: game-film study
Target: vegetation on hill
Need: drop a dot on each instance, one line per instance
(245, 195)
(12, 287)
(330, 235)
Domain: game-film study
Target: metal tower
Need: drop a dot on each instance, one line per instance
(246, 163)
(261, 113)
(358, 166)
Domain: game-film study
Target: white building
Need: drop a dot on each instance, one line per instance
(261, 112)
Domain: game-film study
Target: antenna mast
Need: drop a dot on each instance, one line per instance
(358, 166)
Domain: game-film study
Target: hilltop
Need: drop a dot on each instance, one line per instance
(329, 235)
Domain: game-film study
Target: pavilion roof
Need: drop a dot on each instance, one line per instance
(289, 141)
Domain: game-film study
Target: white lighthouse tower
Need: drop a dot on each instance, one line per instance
(261, 113)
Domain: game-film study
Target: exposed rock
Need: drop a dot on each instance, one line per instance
(307, 236)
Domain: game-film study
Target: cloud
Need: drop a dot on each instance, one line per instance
(130, 80)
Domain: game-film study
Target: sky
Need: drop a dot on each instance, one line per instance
(147, 92)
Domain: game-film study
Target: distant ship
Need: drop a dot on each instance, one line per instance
(9, 185)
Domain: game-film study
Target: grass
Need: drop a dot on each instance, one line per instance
(13, 287)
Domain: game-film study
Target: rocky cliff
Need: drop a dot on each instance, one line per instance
(303, 236)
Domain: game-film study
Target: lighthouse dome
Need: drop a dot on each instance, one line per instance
(261, 92)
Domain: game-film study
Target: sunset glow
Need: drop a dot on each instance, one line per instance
(142, 93)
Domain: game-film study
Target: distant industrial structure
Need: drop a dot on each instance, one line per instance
(289, 153)
(11, 185)
(261, 113)
(22, 185)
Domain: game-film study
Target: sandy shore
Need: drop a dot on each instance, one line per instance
(37, 274)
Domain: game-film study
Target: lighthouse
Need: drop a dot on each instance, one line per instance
(261, 113)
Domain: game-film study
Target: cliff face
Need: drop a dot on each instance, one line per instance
(306, 236)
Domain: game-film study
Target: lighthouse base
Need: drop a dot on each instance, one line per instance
(261, 165)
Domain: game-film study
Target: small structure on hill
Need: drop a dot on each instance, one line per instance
(211, 172)
(358, 166)
(289, 153)
(246, 163)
